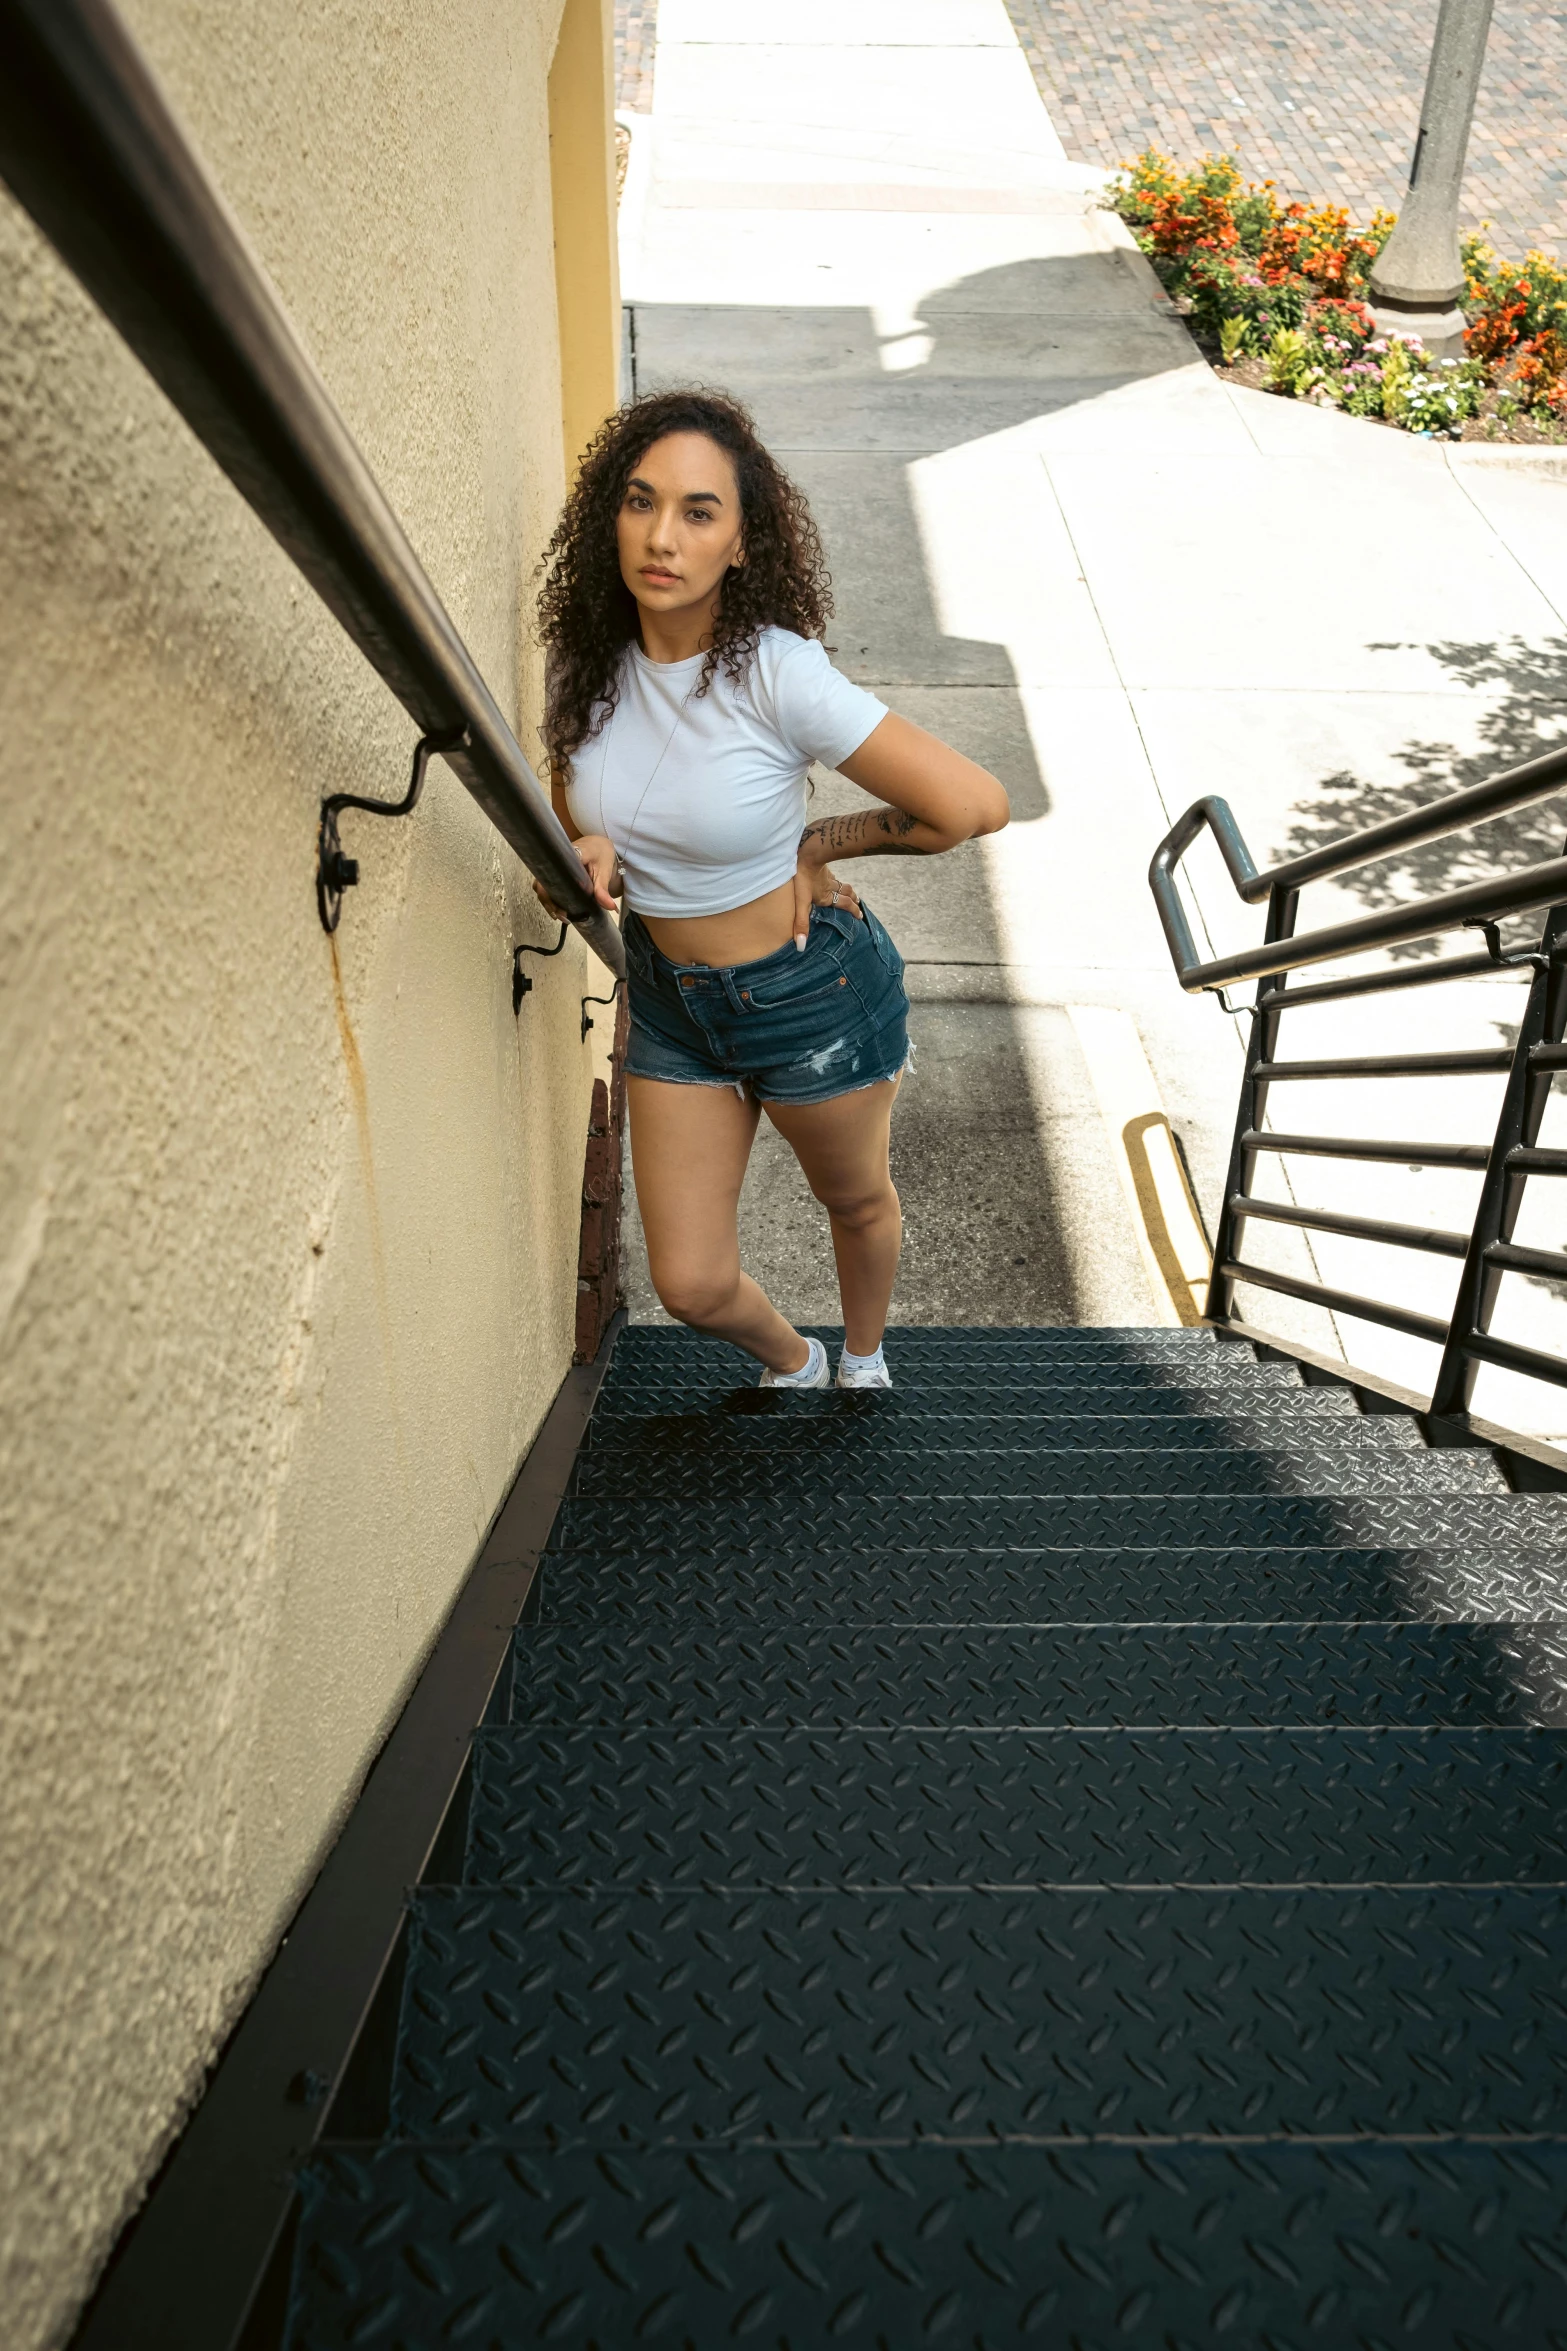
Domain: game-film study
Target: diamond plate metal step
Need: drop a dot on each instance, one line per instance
(1452, 2246)
(889, 1477)
(569, 2018)
(1140, 1388)
(924, 1372)
(694, 1437)
(694, 1808)
(675, 1354)
(717, 1524)
(1256, 1586)
(1105, 1754)
(703, 1362)
(657, 1342)
(645, 1346)
(1057, 1675)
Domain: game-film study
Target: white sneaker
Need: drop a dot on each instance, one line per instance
(873, 1374)
(813, 1373)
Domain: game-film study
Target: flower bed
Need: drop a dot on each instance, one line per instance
(1276, 294)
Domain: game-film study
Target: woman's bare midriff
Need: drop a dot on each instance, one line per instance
(744, 935)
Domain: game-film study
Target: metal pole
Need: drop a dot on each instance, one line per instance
(1418, 280)
(90, 146)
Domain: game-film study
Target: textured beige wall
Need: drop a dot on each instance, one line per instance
(287, 1260)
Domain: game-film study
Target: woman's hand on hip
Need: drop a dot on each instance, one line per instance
(597, 853)
(815, 884)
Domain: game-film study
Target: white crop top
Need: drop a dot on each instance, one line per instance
(704, 795)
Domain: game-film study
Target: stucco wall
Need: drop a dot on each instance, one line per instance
(287, 1255)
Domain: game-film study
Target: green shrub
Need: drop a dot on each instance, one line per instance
(1232, 338)
(1397, 368)
(1289, 362)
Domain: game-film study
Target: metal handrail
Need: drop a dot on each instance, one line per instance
(91, 148)
(1505, 1163)
(1518, 893)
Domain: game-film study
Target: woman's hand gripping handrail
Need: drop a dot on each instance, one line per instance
(1514, 893)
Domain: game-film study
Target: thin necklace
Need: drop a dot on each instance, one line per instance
(636, 814)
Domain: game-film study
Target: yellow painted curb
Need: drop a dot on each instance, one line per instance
(1165, 1216)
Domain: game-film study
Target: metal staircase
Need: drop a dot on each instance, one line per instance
(1074, 1850)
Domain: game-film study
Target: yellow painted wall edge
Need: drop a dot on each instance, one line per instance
(582, 178)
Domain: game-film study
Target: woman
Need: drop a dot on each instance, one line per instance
(684, 602)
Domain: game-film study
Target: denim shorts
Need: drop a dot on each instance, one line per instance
(788, 1028)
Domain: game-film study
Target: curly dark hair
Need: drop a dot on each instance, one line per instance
(587, 614)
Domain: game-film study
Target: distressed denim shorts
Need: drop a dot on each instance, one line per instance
(788, 1028)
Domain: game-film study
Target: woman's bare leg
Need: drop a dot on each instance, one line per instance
(689, 1147)
(842, 1147)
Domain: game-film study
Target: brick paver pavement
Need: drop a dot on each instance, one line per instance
(636, 29)
(1321, 95)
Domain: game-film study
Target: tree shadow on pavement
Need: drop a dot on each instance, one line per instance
(1528, 717)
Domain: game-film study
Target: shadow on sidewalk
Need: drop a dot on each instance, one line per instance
(1528, 717)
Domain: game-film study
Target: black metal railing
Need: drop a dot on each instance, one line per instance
(90, 146)
(1487, 1252)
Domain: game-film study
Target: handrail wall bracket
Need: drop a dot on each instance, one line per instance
(587, 1018)
(522, 981)
(336, 872)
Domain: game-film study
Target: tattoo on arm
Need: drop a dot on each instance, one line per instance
(875, 832)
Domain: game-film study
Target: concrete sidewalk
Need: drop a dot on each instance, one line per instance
(1059, 541)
